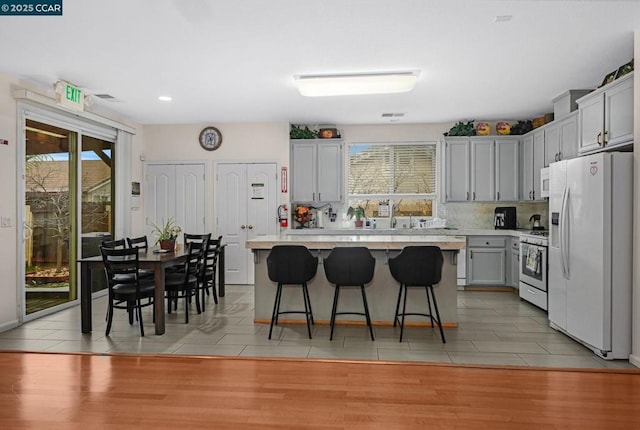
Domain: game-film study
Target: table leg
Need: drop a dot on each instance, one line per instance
(85, 297)
(158, 301)
(221, 288)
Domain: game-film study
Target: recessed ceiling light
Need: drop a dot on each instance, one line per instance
(164, 98)
(502, 18)
(356, 83)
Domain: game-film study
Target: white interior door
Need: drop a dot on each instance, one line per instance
(175, 191)
(246, 202)
(190, 180)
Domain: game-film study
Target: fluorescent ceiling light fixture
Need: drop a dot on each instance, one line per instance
(164, 98)
(356, 83)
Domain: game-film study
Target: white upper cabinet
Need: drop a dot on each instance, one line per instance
(507, 169)
(605, 116)
(316, 170)
(561, 139)
(481, 169)
(532, 161)
(457, 169)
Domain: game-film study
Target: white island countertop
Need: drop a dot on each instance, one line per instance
(383, 242)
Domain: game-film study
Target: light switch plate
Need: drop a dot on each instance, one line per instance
(5, 221)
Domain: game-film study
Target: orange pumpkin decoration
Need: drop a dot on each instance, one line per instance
(482, 129)
(503, 128)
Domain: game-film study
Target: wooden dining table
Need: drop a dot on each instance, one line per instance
(149, 259)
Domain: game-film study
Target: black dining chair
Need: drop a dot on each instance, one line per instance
(210, 268)
(142, 244)
(349, 267)
(417, 267)
(291, 265)
(126, 287)
(114, 244)
(138, 242)
(184, 284)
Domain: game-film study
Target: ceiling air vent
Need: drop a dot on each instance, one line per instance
(392, 115)
(105, 96)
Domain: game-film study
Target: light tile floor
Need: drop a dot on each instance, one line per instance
(495, 328)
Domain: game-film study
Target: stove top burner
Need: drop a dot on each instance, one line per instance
(544, 233)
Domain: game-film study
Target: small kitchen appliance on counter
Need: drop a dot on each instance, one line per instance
(535, 222)
(504, 218)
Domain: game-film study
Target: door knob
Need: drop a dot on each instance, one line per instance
(243, 226)
(250, 227)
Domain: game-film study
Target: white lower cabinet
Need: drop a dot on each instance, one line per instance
(486, 260)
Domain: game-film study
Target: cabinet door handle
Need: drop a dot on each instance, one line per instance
(559, 156)
(474, 195)
(320, 197)
(604, 141)
(243, 226)
(556, 157)
(467, 195)
(250, 227)
(471, 254)
(498, 195)
(598, 139)
(529, 195)
(534, 194)
(314, 197)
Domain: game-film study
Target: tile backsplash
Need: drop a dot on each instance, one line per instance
(458, 215)
(480, 215)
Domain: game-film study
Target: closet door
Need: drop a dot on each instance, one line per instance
(190, 198)
(175, 191)
(246, 201)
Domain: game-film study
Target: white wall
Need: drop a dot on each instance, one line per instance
(8, 177)
(635, 349)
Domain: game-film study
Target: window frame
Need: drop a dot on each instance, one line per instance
(393, 197)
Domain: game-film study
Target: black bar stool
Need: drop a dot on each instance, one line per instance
(291, 265)
(349, 267)
(417, 266)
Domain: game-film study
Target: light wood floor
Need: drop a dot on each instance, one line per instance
(74, 391)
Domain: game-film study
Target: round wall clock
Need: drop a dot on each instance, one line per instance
(210, 138)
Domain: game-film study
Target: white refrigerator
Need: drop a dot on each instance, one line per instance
(590, 251)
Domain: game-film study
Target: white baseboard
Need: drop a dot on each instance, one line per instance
(635, 360)
(8, 325)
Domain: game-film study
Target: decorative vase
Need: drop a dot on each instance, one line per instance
(168, 244)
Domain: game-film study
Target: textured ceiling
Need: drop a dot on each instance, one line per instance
(233, 61)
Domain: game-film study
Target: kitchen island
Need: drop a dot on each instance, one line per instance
(382, 292)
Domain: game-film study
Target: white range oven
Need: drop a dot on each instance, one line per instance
(533, 267)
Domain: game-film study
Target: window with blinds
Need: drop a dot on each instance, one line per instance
(403, 174)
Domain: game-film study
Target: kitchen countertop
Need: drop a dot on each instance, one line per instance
(371, 241)
(405, 232)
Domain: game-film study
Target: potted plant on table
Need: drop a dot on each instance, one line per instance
(358, 212)
(167, 233)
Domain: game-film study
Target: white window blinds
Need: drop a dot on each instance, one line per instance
(392, 169)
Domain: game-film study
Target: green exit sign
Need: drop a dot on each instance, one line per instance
(70, 96)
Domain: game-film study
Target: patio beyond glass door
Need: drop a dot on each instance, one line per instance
(64, 170)
(48, 193)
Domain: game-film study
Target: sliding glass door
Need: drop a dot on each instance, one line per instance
(68, 201)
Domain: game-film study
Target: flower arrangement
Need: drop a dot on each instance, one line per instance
(166, 230)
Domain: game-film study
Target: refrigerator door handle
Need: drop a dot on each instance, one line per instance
(561, 234)
(564, 234)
